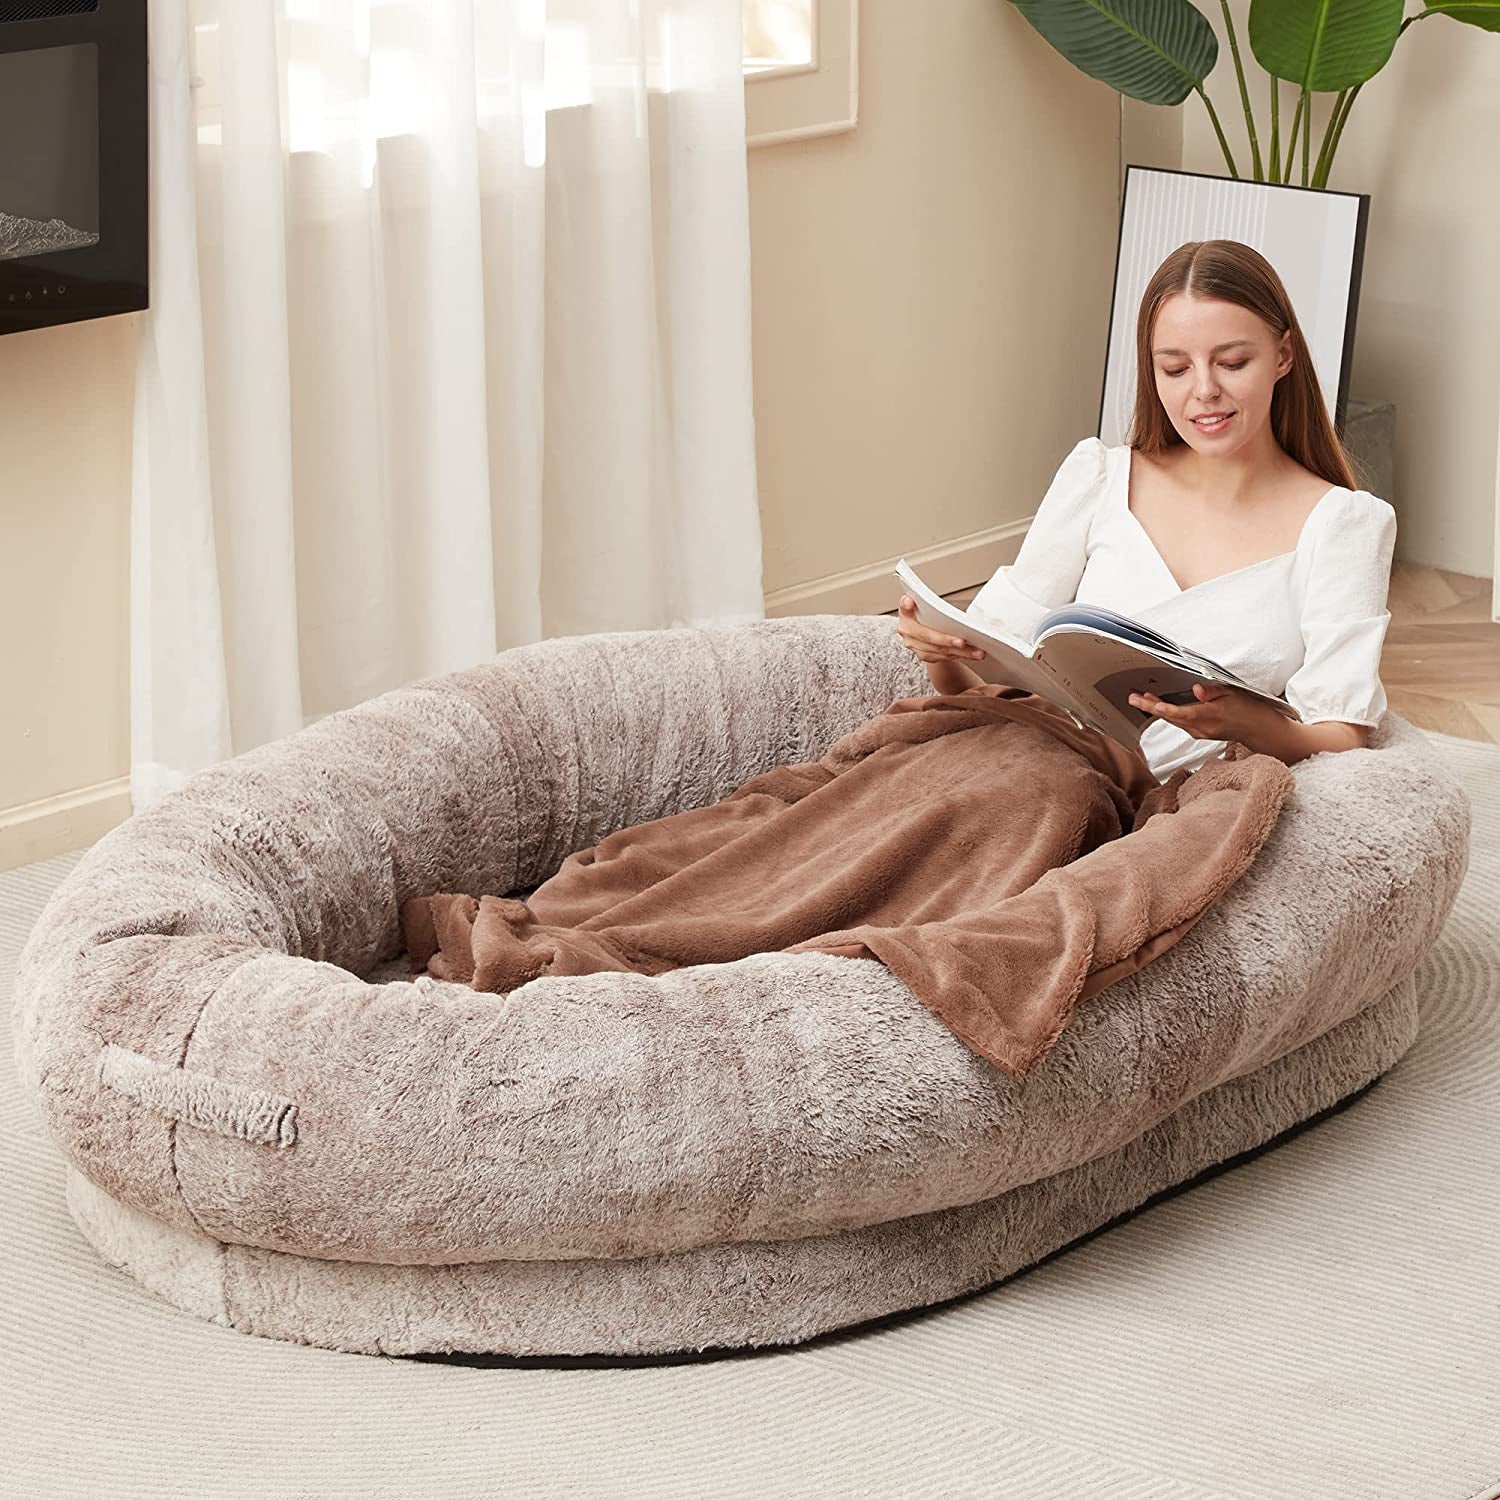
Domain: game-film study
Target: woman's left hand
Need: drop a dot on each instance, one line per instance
(1221, 713)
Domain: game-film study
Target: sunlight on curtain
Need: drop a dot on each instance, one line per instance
(471, 307)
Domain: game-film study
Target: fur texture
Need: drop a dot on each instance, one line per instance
(747, 1292)
(1000, 860)
(243, 930)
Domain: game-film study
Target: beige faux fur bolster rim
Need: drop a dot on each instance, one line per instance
(199, 1099)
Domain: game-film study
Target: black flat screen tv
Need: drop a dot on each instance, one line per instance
(73, 161)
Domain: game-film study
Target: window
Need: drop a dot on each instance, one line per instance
(801, 64)
(778, 35)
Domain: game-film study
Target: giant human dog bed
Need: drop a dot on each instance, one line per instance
(270, 1123)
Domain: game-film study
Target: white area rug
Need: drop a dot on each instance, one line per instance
(1321, 1322)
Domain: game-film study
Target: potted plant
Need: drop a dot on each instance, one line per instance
(1160, 51)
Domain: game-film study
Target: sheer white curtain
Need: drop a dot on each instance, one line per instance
(449, 349)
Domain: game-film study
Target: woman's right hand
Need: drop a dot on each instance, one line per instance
(929, 645)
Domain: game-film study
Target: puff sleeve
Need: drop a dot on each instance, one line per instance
(1050, 564)
(1344, 614)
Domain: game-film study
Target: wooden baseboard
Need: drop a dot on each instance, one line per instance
(61, 824)
(873, 589)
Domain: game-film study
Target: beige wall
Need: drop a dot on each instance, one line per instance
(65, 415)
(930, 295)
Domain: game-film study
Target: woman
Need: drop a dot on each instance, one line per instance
(1230, 521)
(901, 843)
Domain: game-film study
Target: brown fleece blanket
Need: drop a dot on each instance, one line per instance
(999, 860)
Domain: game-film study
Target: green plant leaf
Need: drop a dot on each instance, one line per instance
(1482, 13)
(1157, 51)
(1324, 45)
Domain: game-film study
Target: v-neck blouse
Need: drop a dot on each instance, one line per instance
(1308, 623)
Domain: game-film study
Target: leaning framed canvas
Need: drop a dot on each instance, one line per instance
(1313, 236)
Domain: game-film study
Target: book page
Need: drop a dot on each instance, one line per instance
(1106, 621)
(1105, 672)
(1096, 618)
(1007, 661)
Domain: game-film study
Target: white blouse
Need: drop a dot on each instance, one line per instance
(1308, 623)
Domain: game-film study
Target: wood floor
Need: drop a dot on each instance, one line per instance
(1441, 664)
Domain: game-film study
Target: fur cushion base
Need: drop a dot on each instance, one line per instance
(745, 1294)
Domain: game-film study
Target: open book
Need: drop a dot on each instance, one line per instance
(1086, 659)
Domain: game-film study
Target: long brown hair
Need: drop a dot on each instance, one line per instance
(1235, 272)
